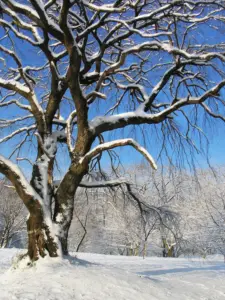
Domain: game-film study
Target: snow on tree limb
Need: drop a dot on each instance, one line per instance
(105, 8)
(20, 35)
(102, 184)
(24, 91)
(118, 143)
(15, 86)
(214, 115)
(105, 123)
(16, 132)
(16, 102)
(68, 129)
(23, 188)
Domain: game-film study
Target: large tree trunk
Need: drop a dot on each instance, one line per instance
(64, 241)
(55, 208)
(42, 232)
(64, 203)
(63, 217)
(41, 239)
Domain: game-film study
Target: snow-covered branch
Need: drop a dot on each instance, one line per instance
(106, 123)
(118, 143)
(15, 86)
(16, 102)
(103, 184)
(23, 188)
(68, 129)
(106, 7)
(18, 131)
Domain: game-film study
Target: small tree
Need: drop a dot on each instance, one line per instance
(74, 70)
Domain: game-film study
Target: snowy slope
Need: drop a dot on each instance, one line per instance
(100, 277)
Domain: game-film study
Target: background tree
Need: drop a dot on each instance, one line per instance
(12, 217)
(184, 215)
(212, 198)
(74, 70)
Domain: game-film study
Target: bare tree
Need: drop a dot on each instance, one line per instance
(159, 192)
(12, 217)
(211, 195)
(134, 62)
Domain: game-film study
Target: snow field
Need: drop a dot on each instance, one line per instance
(103, 277)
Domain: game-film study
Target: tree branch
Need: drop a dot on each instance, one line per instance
(23, 188)
(118, 143)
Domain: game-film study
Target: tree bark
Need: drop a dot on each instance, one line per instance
(64, 241)
(64, 202)
(41, 240)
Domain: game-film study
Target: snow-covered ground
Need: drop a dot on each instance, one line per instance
(101, 277)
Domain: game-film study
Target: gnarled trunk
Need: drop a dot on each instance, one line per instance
(55, 209)
(41, 238)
